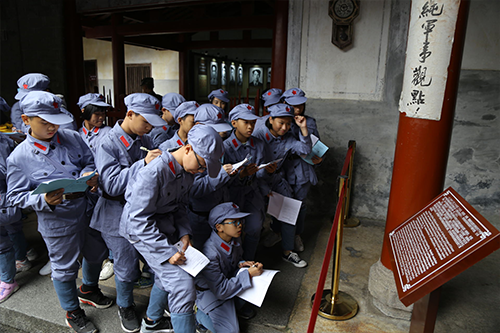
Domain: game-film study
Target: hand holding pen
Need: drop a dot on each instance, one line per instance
(255, 269)
(152, 154)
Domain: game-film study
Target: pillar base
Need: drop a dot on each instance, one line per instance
(384, 294)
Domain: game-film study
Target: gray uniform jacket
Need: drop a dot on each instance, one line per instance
(35, 161)
(219, 276)
(155, 212)
(118, 159)
(8, 213)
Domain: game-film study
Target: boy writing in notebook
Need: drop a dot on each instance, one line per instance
(155, 219)
(217, 285)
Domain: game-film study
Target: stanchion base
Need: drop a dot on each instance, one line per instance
(351, 222)
(345, 306)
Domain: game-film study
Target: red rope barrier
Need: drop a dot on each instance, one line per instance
(326, 263)
(346, 162)
(329, 249)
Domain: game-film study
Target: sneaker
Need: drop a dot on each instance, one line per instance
(163, 325)
(271, 239)
(299, 246)
(246, 312)
(23, 265)
(94, 298)
(143, 282)
(32, 254)
(78, 321)
(7, 289)
(129, 320)
(201, 329)
(106, 270)
(294, 259)
(46, 269)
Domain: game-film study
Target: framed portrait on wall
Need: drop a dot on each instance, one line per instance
(202, 68)
(240, 75)
(214, 71)
(232, 73)
(223, 74)
(269, 75)
(255, 76)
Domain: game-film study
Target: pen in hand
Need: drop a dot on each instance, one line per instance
(144, 148)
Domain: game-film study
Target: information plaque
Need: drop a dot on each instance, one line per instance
(438, 243)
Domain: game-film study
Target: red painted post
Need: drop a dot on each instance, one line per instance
(74, 58)
(422, 148)
(278, 61)
(118, 54)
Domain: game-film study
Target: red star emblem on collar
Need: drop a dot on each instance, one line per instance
(25, 86)
(56, 105)
(219, 115)
(294, 92)
(157, 106)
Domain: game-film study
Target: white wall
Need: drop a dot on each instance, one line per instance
(164, 64)
(356, 73)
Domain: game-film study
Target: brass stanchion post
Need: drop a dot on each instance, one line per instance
(335, 304)
(350, 222)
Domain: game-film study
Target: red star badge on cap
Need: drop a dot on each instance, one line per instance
(287, 109)
(234, 206)
(196, 104)
(294, 92)
(25, 86)
(221, 91)
(249, 107)
(269, 93)
(56, 105)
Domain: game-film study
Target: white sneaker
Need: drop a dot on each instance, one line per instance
(299, 246)
(46, 269)
(294, 259)
(31, 254)
(271, 239)
(106, 270)
(23, 265)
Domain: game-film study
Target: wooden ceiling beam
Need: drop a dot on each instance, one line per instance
(174, 27)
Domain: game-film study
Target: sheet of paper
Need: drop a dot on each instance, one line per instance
(69, 185)
(314, 139)
(284, 208)
(260, 284)
(266, 164)
(240, 164)
(195, 260)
